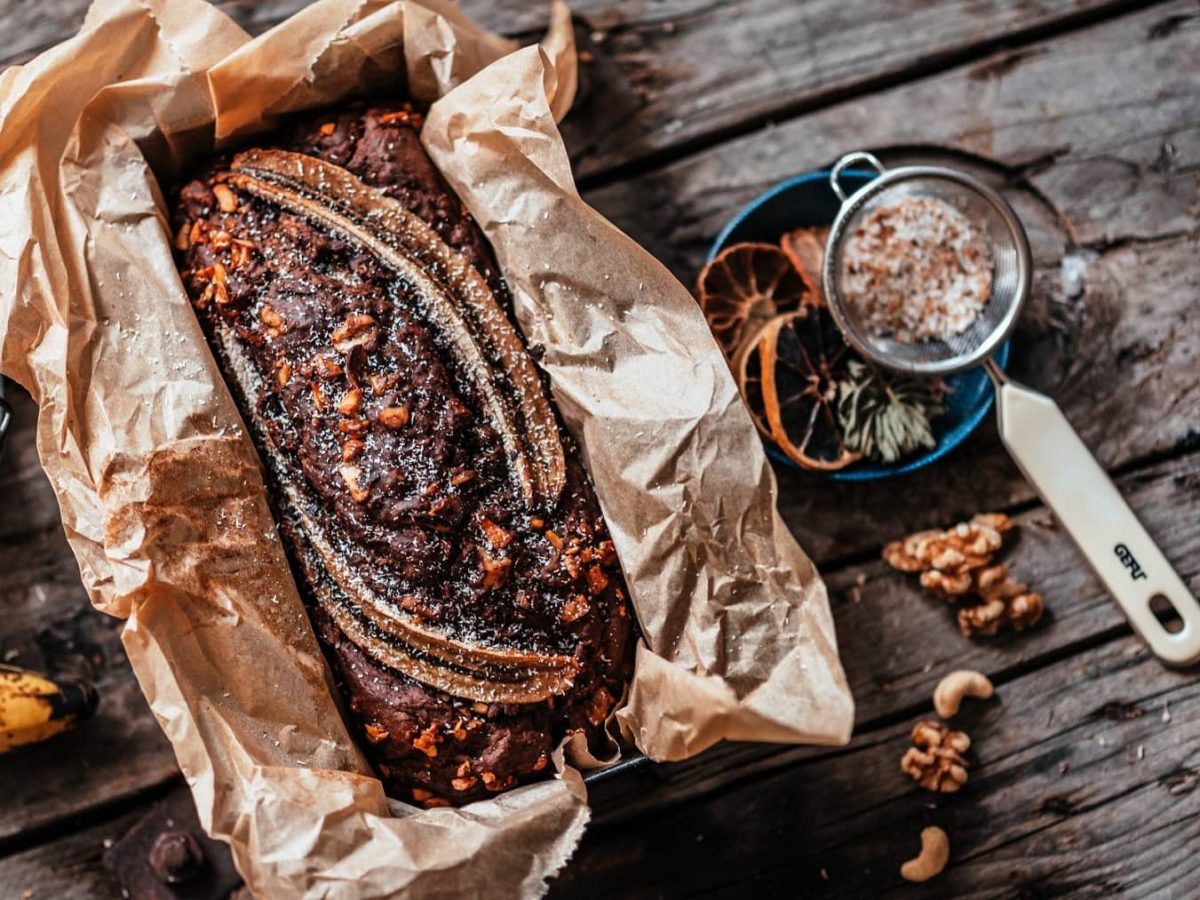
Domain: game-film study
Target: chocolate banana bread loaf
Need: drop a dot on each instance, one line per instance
(456, 566)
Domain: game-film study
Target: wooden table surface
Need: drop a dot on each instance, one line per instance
(1087, 114)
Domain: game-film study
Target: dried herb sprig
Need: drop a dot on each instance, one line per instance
(885, 416)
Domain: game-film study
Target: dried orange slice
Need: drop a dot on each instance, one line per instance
(743, 287)
(747, 372)
(805, 247)
(801, 357)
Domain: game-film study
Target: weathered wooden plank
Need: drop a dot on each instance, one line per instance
(666, 75)
(880, 622)
(49, 626)
(1079, 786)
(671, 80)
(69, 868)
(121, 753)
(1150, 351)
(1108, 333)
(35, 26)
(896, 641)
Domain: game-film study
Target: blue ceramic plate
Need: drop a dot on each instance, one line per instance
(809, 200)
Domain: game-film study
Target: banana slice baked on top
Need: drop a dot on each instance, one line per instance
(447, 539)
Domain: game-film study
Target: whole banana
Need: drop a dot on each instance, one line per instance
(34, 708)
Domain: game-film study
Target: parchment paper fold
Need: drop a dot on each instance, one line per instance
(161, 492)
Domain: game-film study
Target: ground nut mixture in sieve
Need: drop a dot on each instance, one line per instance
(916, 269)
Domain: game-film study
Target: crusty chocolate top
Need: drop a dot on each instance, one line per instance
(375, 420)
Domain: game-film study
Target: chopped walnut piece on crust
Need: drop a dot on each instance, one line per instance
(375, 734)
(498, 784)
(402, 117)
(394, 416)
(327, 368)
(575, 608)
(426, 742)
(601, 702)
(597, 581)
(936, 761)
(428, 799)
(241, 252)
(350, 475)
(351, 402)
(318, 396)
(496, 535)
(495, 569)
(269, 317)
(357, 331)
(464, 779)
(226, 199)
(354, 427)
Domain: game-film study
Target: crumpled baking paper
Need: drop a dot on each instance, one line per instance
(161, 493)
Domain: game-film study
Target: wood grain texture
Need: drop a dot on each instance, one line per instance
(1078, 787)
(662, 76)
(1094, 133)
(70, 868)
(1115, 235)
(897, 641)
(49, 626)
(672, 78)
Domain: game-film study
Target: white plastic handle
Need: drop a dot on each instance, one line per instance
(1085, 501)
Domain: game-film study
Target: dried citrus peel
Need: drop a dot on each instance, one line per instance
(743, 287)
(815, 402)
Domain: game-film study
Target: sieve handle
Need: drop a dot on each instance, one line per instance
(1085, 501)
(860, 156)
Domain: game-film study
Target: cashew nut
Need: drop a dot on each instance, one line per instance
(948, 695)
(935, 853)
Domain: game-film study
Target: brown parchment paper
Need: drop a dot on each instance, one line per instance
(161, 492)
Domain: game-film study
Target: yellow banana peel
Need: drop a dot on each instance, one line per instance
(34, 708)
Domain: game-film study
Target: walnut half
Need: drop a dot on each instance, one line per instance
(936, 761)
(1006, 602)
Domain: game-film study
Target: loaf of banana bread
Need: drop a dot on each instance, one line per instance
(447, 540)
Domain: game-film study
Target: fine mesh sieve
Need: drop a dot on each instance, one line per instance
(1033, 428)
(986, 210)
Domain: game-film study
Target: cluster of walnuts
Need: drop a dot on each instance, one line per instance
(956, 564)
